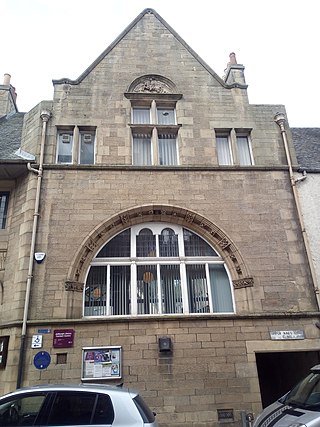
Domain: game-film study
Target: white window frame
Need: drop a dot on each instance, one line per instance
(228, 138)
(181, 260)
(250, 153)
(155, 129)
(233, 150)
(75, 133)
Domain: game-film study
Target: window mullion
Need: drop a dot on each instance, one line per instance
(75, 147)
(159, 289)
(154, 146)
(108, 299)
(233, 148)
(184, 288)
(133, 287)
(209, 287)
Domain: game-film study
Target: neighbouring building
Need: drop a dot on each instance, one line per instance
(150, 235)
(306, 142)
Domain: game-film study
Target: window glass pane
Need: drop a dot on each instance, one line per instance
(243, 150)
(147, 289)
(168, 243)
(197, 289)
(167, 149)
(195, 245)
(21, 411)
(104, 413)
(223, 150)
(144, 410)
(141, 115)
(142, 149)
(220, 289)
(171, 293)
(146, 243)
(65, 142)
(86, 148)
(95, 293)
(120, 290)
(4, 199)
(119, 246)
(166, 116)
(72, 409)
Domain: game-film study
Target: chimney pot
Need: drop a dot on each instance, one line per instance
(233, 59)
(6, 79)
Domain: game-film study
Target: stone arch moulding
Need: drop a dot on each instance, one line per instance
(152, 83)
(158, 213)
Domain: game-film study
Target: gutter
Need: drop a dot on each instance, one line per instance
(45, 116)
(280, 120)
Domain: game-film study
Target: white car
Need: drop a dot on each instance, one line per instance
(300, 407)
(75, 405)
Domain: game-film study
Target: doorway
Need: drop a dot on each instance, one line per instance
(278, 372)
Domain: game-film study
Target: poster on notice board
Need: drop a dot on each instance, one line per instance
(101, 363)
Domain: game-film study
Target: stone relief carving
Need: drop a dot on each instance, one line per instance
(152, 85)
(71, 285)
(245, 282)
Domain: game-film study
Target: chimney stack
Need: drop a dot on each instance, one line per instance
(8, 96)
(234, 73)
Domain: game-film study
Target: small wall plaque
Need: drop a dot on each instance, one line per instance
(287, 335)
(63, 338)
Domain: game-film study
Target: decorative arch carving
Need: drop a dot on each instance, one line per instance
(158, 213)
(152, 83)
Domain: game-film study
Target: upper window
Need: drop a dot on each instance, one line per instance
(76, 146)
(233, 148)
(4, 199)
(157, 268)
(154, 135)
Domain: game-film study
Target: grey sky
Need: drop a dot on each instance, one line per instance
(276, 41)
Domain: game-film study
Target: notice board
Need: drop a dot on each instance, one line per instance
(101, 363)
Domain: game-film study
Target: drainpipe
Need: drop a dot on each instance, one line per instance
(45, 116)
(280, 120)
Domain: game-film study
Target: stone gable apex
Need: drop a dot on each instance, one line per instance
(125, 32)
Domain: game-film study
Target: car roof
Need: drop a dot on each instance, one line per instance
(96, 388)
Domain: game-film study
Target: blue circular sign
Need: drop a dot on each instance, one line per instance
(42, 360)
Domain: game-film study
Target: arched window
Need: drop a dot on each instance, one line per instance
(157, 268)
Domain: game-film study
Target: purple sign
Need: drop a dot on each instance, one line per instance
(63, 338)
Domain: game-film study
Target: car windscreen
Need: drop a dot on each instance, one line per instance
(305, 394)
(145, 412)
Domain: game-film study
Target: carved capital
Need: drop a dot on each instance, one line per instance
(245, 282)
(71, 285)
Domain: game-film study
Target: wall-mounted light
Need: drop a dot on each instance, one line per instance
(165, 344)
(39, 257)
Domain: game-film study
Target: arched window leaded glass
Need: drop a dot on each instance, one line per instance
(154, 269)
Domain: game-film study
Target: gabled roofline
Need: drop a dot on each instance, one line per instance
(125, 32)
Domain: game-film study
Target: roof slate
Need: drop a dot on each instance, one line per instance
(10, 135)
(306, 142)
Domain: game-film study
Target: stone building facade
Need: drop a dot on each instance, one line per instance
(148, 214)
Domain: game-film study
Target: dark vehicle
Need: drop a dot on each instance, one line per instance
(75, 405)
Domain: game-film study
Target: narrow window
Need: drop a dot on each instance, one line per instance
(223, 150)
(243, 147)
(166, 116)
(141, 115)
(142, 149)
(167, 149)
(65, 144)
(86, 153)
(4, 199)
